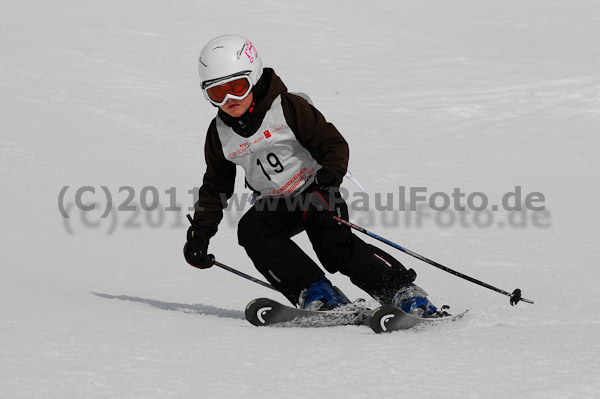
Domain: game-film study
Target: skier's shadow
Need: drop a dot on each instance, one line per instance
(196, 308)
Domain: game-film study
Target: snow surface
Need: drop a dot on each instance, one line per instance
(483, 96)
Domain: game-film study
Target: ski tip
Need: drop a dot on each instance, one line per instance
(388, 318)
(380, 318)
(257, 309)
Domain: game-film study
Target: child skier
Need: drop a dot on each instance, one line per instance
(294, 162)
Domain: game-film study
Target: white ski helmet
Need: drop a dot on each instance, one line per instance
(227, 57)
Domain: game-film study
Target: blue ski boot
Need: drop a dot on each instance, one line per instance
(413, 300)
(321, 295)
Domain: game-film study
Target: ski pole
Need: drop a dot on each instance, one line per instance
(515, 297)
(239, 273)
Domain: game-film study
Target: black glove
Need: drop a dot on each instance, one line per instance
(195, 249)
(324, 200)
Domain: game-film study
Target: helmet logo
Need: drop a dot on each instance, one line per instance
(239, 53)
(249, 50)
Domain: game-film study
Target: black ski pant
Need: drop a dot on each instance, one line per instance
(265, 232)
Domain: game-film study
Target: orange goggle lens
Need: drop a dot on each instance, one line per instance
(237, 88)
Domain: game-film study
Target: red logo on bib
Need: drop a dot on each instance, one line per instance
(267, 133)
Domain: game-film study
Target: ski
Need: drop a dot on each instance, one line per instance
(268, 312)
(388, 318)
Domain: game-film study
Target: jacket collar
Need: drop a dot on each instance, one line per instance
(266, 90)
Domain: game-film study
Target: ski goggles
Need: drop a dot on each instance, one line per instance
(219, 91)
